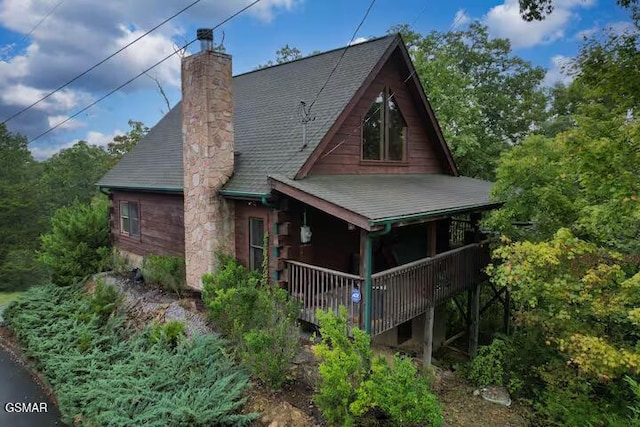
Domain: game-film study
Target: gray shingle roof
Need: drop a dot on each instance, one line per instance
(380, 197)
(268, 130)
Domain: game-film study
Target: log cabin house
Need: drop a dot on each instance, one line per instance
(338, 158)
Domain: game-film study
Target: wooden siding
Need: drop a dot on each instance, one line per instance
(161, 223)
(332, 244)
(342, 154)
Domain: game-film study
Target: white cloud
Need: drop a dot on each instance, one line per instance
(586, 33)
(504, 21)
(101, 139)
(557, 74)
(358, 40)
(72, 124)
(460, 19)
(81, 33)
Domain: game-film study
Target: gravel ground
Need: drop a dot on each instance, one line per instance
(145, 303)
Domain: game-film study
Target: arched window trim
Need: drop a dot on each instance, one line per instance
(384, 140)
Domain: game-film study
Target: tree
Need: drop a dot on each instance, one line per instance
(486, 99)
(21, 217)
(538, 10)
(122, 144)
(284, 54)
(584, 178)
(71, 175)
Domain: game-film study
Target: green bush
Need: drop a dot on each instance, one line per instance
(119, 264)
(171, 333)
(259, 319)
(78, 243)
(488, 367)
(352, 385)
(105, 299)
(344, 366)
(400, 393)
(168, 272)
(105, 374)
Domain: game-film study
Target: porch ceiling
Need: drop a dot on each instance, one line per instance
(377, 199)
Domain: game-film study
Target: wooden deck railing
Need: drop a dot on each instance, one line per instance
(398, 294)
(321, 288)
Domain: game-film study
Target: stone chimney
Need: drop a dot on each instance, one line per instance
(207, 138)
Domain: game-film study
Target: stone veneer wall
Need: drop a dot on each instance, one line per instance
(207, 132)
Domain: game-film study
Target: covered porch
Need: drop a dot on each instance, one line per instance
(388, 248)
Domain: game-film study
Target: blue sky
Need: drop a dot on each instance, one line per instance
(35, 59)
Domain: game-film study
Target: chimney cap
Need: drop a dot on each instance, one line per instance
(204, 34)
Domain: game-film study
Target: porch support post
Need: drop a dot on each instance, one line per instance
(474, 314)
(368, 271)
(428, 336)
(368, 286)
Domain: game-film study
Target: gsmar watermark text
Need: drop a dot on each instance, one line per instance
(25, 407)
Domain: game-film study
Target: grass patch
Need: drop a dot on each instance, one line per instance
(106, 374)
(7, 297)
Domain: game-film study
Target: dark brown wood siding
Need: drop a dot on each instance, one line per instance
(161, 223)
(244, 211)
(332, 244)
(342, 155)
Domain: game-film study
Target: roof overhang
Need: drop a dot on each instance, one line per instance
(374, 201)
(140, 188)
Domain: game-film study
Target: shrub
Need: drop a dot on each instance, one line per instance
(353, 385)
(259, 319)
(168, 272)
(78, 243)
(344, 364)
(105, 374)
(399, 392)
(171, 333)
(119, 264)
(104, 300)
(488, 367)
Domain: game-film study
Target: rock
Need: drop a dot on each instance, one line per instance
(285, 415)
(496, 394)
(476, 392)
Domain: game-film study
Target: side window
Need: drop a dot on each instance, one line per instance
(256, 237)
(129, 219)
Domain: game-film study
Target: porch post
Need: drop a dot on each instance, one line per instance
(474, 328)
(368, 286)
(429, 315)
(428, 336)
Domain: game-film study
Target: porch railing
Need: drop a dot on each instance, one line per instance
(321, 288)
(398, 294)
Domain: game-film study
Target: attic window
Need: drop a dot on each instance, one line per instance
(384, 130)
(129, 219)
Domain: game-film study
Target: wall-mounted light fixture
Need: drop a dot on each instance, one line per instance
(305, 230)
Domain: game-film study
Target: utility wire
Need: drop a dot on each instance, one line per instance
(307, 111)
(342, 55)
(99, 63)
(358, 127)
(26, 36)
(108, 94)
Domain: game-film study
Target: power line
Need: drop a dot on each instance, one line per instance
(108, 94)
(342, 55)
(99, 63)
(358, 127)
(41, 21)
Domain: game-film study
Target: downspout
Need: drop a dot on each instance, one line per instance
(368, 271)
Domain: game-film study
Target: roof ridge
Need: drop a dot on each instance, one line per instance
(319, 54)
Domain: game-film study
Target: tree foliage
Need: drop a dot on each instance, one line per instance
(71, 175)
(284, 54)
(122, 144)
(78, 243)
(21, 217)
(485, 98)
